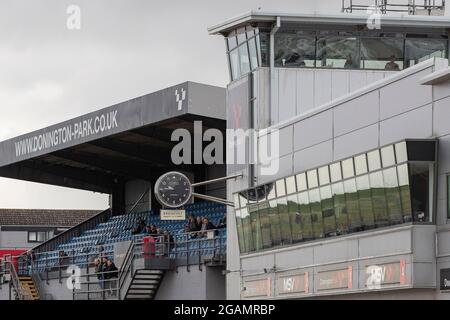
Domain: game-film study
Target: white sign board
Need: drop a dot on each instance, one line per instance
(170, 214)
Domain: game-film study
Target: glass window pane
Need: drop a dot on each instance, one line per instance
(365, 202)
(420, 190)
(244, 58)
(241, 37)
(378, 199)
(281, 188)
(270, 187)
(294, 49)
(32, 236)
(274, 223)
(405, 191)
(335, 172)
(316, 213)
(329, 220)
(301, 182)
(382, 53)
(360, 164)
(240, 231)
(347, 168)
(312, 179)
(256, 227)
(324, 176)
(295, 218)
(340, 208)
(373, 158)
(418, 50)
(232, 42)
(247, 230)
(253, 54)
(235, 64)
(387, 156)
(285, 226)
(401, 152)
(351, 199)
(290, 185)
(261, 193)
(265, 48)
(338, 52)
(243, 198)
(392, 195)
(265, 224)
(305, 215)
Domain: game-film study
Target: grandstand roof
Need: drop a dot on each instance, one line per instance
(44, 217)
(131, 139)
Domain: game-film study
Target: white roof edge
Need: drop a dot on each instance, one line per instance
(400, 20)
(357, 93)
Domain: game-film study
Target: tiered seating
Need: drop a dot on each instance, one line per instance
(118, 228)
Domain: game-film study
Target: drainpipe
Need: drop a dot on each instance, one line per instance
(272, 68)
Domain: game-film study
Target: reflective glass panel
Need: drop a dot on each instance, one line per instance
(270, 187)
(401, 152)
(351, 199)
(340, 208)
(265, 224)
(244, 58)
(281, 188)
(382, 53)
(275, 231)
(235, 64)
(378, 199)
(247, 230)
(305, 215)
(312, 179)
(232, 42)
(403, 181)
(360, 164)
(418, 50)
(335, 172)
(294, 49)
(387, 156)
(365, 202)
(301, 182)
(420, 191)
(243, 198)
(290, 185)
(256, 227)
(324, 176)
(285, 226)
(347, 168)
(329, 220)
(236, 201)
(253, 54)
(265, 48)
(337, 52)
(373, 158)
(392, 195)
(316, 213)
(295, 218)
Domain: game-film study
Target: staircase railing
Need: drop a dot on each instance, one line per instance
(384, 6)
(127, 268)
(14, 279)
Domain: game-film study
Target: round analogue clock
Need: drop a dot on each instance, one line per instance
(173, 189)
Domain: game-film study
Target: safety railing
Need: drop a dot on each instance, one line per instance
(412, 7)
(14, 282)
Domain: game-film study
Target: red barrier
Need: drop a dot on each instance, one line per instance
(148, 247)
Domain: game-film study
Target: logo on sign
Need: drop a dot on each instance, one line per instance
(289, 284)
(180, 97)
(376, 276)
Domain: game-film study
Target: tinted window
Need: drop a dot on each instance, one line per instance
(265, 224)
(340, 208)
(285, 226)
(295, 218)
(378, 199)
(316, 213)
(403, 181)
(392, 195)
(274, 223)
(305, 215)
(329, 220)
(351, 199)
(365, 202)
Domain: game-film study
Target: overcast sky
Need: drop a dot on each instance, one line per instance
(124, 49)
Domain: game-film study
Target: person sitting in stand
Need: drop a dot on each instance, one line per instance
(140, 226)
(111, 274)
(206, 225)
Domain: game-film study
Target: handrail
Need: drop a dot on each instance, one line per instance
(126, 265)
(138, 200)
(385, 7)
(15, 279)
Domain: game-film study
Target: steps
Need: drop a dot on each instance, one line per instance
(144, 285)
(29, 288)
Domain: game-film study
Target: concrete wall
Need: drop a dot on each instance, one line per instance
(391, 109)
(133, 191)
(15, 240)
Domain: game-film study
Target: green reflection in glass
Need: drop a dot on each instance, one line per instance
(365, 202)
(256, 227)
(378, 199)
(240, 232)
(329, 220)
(392, 195)
(247, 230)
(285, 227)
(265, 224)
(340, 208)
(305, 215)
(351, 199)
(274, 223)
(405, 193)
(316, 213)
(295, 218)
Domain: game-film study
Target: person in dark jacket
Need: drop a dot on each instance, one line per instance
(99, 272)
(223, 222)
(206, 225)
(139, 228)
(111, 275)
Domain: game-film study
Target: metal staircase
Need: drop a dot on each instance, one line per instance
(144, 285)
(29, 287)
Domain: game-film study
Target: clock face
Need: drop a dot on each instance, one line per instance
(173, 189)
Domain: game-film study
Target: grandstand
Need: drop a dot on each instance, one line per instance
(127, 149)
